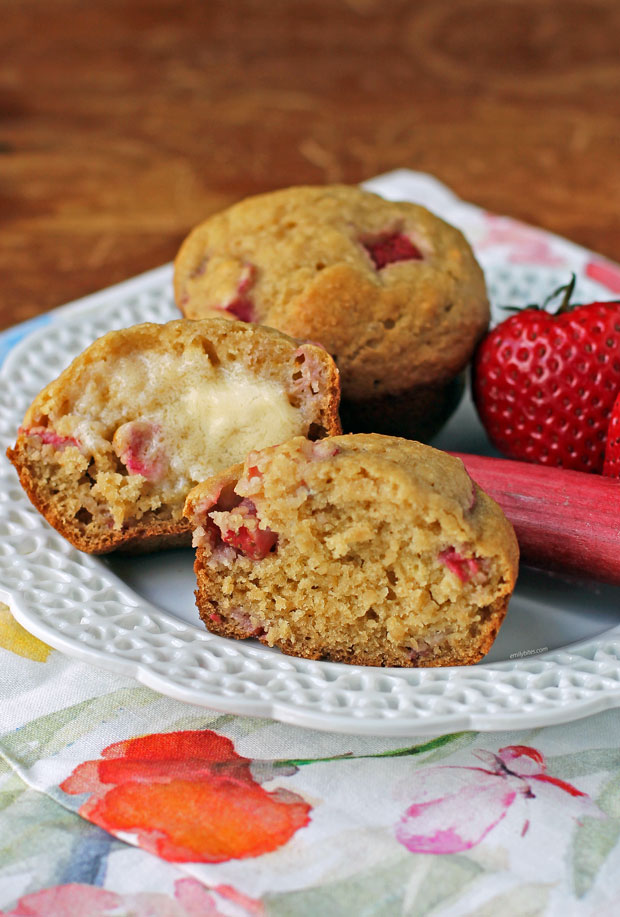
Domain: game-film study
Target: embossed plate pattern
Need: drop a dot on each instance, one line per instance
(138, 620)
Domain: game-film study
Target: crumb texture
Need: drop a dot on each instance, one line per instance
(109, 450)
(364, 548)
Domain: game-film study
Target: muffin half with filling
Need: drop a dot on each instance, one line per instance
(109, 451)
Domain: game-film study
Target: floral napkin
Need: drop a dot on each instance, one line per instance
(115, 800)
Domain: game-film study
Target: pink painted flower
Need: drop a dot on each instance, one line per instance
(456, 807)
(604, 272)
(191, 899)
(525, 244)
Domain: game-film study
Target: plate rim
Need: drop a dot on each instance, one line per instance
(293, 715)
(350, 719)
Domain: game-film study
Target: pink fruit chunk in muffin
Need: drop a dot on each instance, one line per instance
(139, 447)
(50, 438)
(390, 248)
(462, 566)
(240, 528)
(241, 305)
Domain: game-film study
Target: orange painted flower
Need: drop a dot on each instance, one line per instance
(188, 797)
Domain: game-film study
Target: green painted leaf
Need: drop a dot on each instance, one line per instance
(214, 721)
(445, 879)
(52, 732)
(581, 763)
(431, 746)
(594, 839)
(376, 893)
(41, 839)
(458, 742)
(529, 900)
(382, 891)
(11, 787)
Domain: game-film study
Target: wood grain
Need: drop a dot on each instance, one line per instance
(124, 122)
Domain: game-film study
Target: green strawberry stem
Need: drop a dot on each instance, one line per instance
(395, 753)
(565, 306)
(567, 289)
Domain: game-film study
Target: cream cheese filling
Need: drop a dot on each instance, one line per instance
(204, 417)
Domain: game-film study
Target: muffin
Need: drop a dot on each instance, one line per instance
(109, 450)
(390, 290)
(363, 549)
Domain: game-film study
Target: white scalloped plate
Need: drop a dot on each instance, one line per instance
(136, 616)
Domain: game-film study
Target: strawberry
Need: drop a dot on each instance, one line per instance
(611, 468)
(462, 566)
(138, 446)
(249, 539)
(240, 305)
(544, 384)
(391, 247)
(49, 438)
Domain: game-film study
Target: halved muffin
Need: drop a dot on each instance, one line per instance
(364, 549)
(109, 450)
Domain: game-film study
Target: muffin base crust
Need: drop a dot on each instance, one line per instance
(419, 413)
(208, 610)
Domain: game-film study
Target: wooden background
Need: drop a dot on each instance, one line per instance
(124, 122)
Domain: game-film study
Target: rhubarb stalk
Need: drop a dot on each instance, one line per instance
(567, 521)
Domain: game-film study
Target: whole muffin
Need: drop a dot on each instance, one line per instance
(109, 450)
(364, 549)
(390, 290)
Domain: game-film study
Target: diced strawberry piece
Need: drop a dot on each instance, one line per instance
(50, 437)
(324, 449)
(463, 567)
(242, 308)
(388, 249)
(200, 268)
(321, 450)
(255, 543)
(222, 497)
(250, 539)
(243, 620)
(138, 446)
